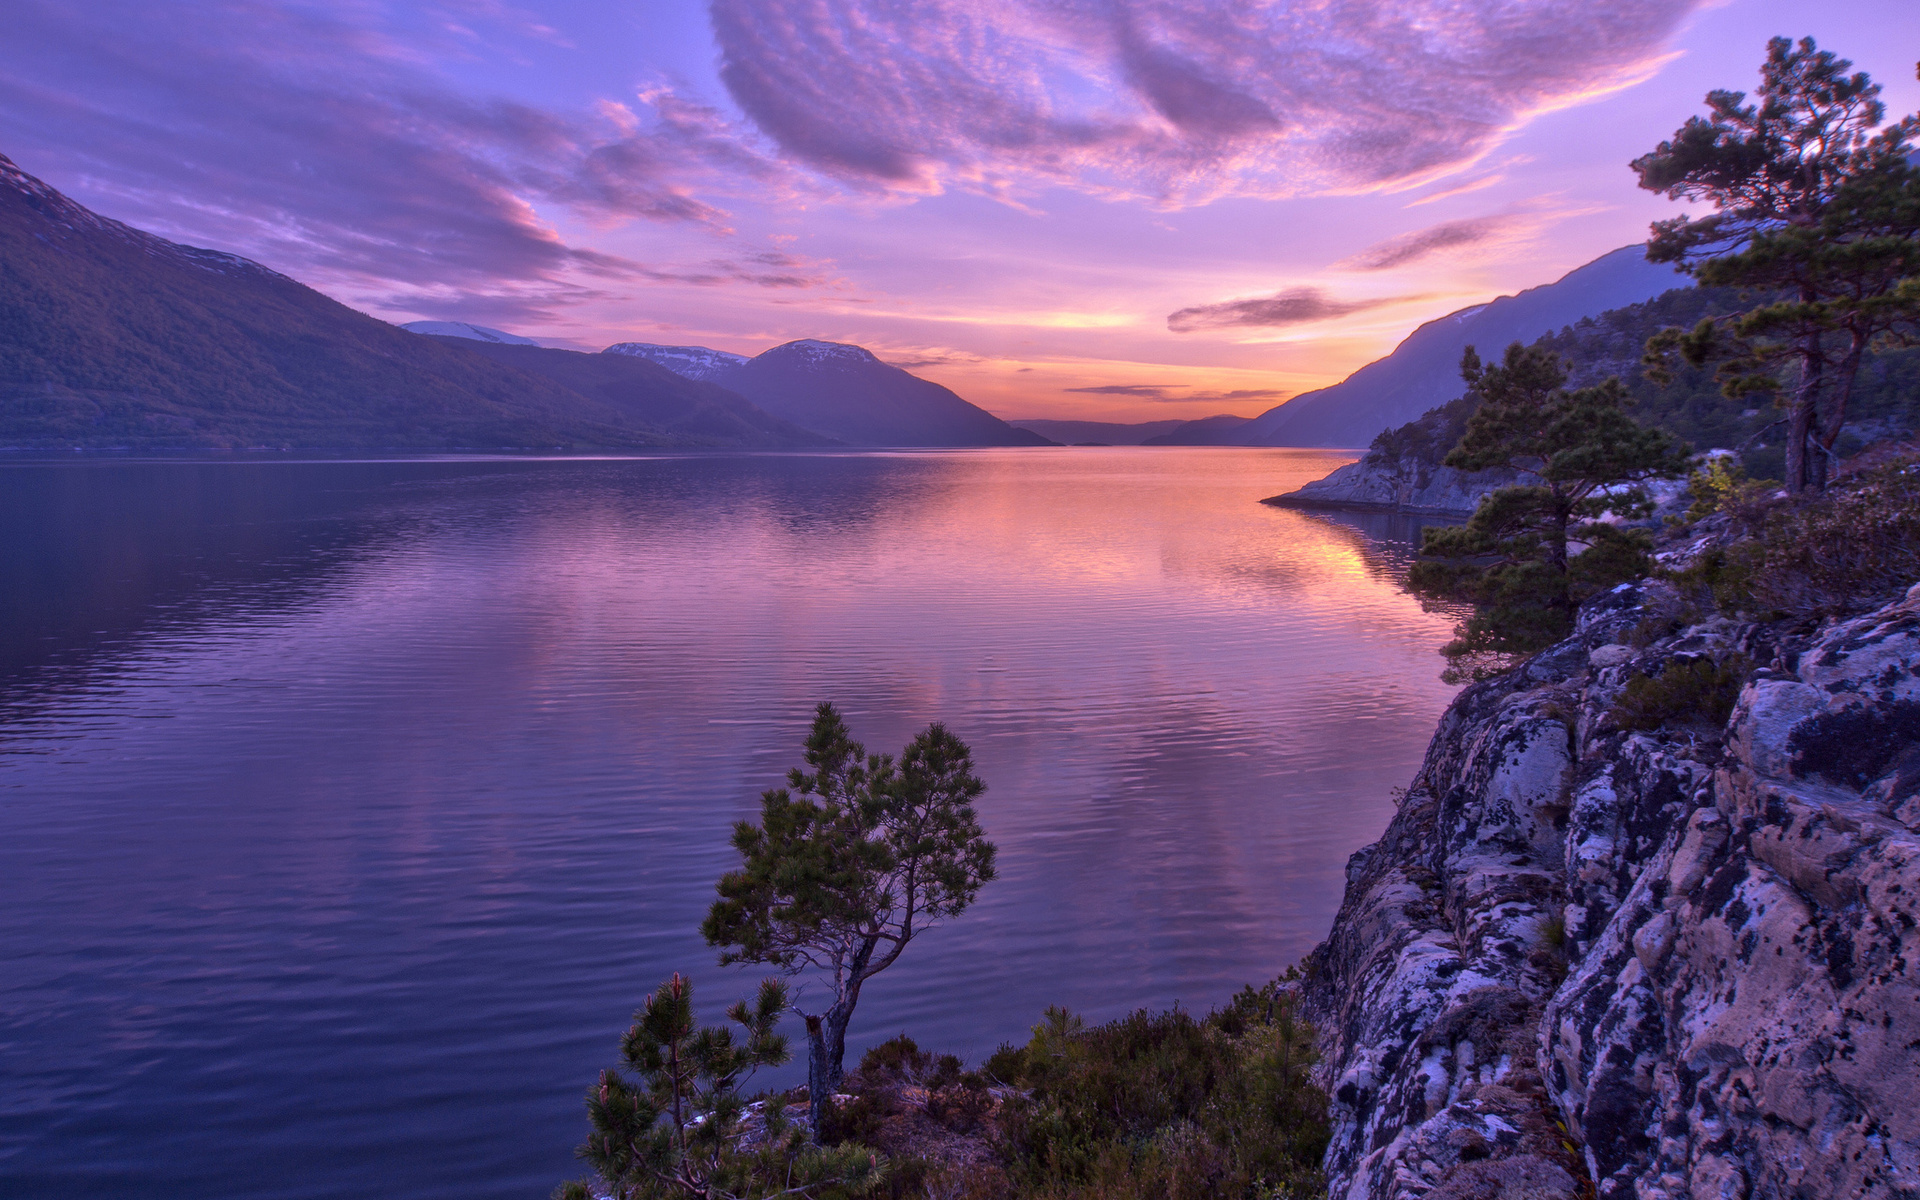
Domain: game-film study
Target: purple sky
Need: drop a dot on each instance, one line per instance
(1111, 209)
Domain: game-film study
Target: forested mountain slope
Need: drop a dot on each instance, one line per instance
(110, 336)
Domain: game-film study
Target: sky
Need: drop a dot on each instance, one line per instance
(1123, 210)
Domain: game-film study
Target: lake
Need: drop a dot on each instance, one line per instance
(349, 808)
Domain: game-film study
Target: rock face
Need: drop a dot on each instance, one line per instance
(1656, 964)
(1406, 486)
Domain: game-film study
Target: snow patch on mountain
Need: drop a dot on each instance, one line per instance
(688, 362)
(814, 351)
(460, 329)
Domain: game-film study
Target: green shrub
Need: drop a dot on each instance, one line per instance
(1854, 548)
(1697, 692)
(1166, 1106)
(1713, 485)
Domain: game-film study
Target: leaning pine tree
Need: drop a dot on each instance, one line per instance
(1531, 552)
(851, 861)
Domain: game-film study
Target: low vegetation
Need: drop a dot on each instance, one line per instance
(1166, 1105)
(1852, 548)
(1160, 1105)
(1687, 692)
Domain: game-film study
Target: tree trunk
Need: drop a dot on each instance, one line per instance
(819, 1091)
(826, 1054)
(1800, 416)
(1833, 417)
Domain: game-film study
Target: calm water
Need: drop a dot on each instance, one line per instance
(347, 809)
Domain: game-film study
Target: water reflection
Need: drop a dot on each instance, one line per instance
(352, 806)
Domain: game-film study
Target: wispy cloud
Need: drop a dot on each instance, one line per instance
(1175, 101)
(1141, 391)
(1423, 243)
(1170, 393)
(307, 137)
(1295, 306)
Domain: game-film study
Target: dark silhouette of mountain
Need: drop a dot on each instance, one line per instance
(1216, 430)
(1424, 370)
(695, 412)
(844, 392)
(1097, 433)
(110, 336)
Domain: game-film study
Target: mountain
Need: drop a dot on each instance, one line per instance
(697, 412)
(1099, 433)
(846, 393)
(110, 336)
(1424, 370)
(460, 329)
(691, 362)
(1403, 468)
(1219, 430)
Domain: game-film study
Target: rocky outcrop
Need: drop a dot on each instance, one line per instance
(1643, 963)
(1398, 485)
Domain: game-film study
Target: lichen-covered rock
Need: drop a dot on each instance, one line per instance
(1680, 963)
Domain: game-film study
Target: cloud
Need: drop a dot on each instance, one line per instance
(1140, 391)
(316, 141)
(1423, 243)
(1161, 392)
(1295, 306)
(1168, 99)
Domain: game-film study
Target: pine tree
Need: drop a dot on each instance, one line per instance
(1516, 560)
(671, 1126)
(1816, 215)
(850, 862)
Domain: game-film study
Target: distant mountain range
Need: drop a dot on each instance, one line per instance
(110, 336)
(1207, 431)
(696, 412)
(1098, 433)
(842, 391)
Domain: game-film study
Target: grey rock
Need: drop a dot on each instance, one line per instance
(1655, 965)
(1373, 485)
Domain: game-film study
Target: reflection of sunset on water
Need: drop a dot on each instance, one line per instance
(421, 729)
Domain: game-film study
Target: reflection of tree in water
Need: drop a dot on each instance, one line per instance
(1387, 542)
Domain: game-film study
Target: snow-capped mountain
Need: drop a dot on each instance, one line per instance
(692, 362)
(842, 391)
(845, 392)
(460, 329)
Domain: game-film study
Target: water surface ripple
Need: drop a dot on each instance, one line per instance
(347, 809)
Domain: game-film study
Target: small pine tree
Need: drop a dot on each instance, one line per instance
(840, 877)
(1515, 560)
(675, 1129)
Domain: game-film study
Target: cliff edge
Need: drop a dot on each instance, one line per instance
(1674, 960)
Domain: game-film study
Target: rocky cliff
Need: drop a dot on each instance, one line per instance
(1674, 960)
(1374, 484)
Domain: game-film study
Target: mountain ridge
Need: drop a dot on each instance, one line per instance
(844, 392)
(1422, 371)
(114, 337)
